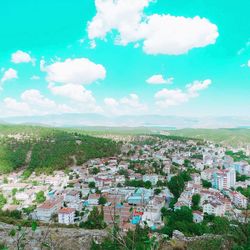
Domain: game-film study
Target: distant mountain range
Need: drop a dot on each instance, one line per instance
(170, 122)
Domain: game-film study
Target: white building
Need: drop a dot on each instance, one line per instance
(152, 178)
(196, 178)
(207, 174)
(46, 210)
(197, 216)
(214, 207)
(66, 215)
(72, 196)
(224, 179)
(239, 199)
(93, 199)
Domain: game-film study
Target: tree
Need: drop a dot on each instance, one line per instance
(148, 184)
(206, 184)
(176, 185)
(91, 184)
(242, 177)
(244, 191)
(134, 240)
(102, 200)
(157, 191)
(164, 211)
(187, 163)
(14, 191)
(40, 197)
(183, 214)
(3, 201)
(95, 170)
(196, 201)
(123, 172)
(185, 176)
(220, 225)
(95, 220)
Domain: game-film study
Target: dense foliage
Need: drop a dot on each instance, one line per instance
(40, 197)
(133, 240)
(177, 183)
(233, 137)
(138, 183)
(182, 219)
(45, 149)
(95, 220)
(238, 156)
(3, 200)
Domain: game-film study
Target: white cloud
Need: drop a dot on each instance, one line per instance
(166, 97)
(32, 102)
(81, 41)
(21, 57)
(92, 44)
(161, 34)
(9, 74)
(245, 48)
(67, 78)
(83, 99)
(137, 45)
(42, 65)
(12, 107)
(111, 102)
(132, 101)
(173, 97)
(159, 79)
(175, 35)
(35, 77)
(35, 98)
(74, 71)
(248, 63)
(121, 15)
(196, 86)
(127, 105)
(72, 91)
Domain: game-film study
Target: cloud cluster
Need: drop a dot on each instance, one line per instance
(32, 102)
(9, 74)
(74, 71)
(67, 79)
(159, 79)
(160, 34)
(81, 98)
(127, 105)
(173, 97)
(21, 57)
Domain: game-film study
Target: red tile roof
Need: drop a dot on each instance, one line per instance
(66, 210)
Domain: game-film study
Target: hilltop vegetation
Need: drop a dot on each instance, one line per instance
(234, 137)
(46, 149)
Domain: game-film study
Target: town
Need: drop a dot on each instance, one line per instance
(136, 186)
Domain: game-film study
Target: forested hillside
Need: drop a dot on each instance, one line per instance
(234, 137)
(46, 149)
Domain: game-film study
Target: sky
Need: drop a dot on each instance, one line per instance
(125, 57)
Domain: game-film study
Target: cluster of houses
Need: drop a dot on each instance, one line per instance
(70, 197)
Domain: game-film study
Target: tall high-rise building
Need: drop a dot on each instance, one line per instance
(224, 179)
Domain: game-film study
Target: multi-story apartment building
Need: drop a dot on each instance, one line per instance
(224, 179)
(66, 215)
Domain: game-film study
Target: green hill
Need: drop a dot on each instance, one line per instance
(234, 137)
(46, 149)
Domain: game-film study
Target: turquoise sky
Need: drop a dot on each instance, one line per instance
(57, 30)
